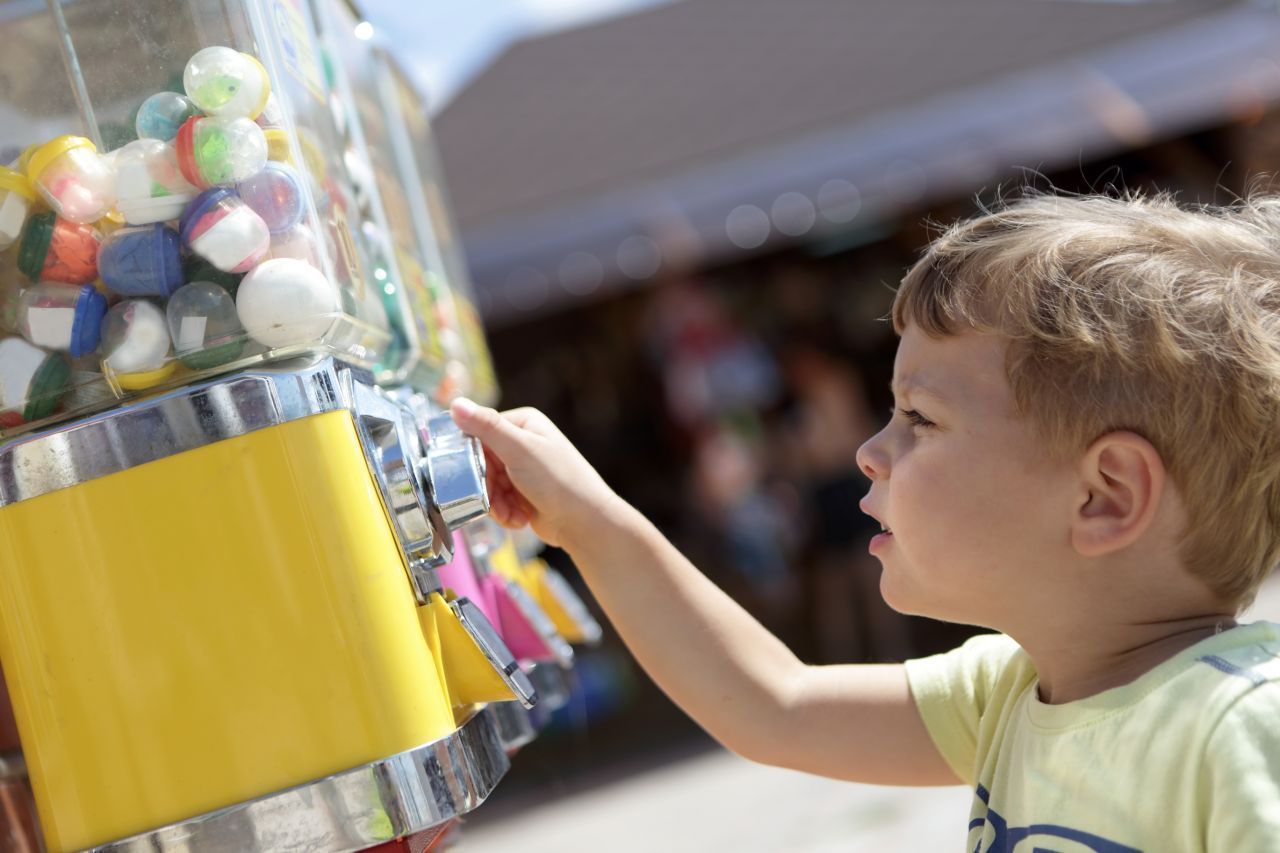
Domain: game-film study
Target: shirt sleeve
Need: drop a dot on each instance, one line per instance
(1241, 782)
(953, 690)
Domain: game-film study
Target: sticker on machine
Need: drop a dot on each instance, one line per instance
(297, 51)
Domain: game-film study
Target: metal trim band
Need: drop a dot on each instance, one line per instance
(165, 425)
(353, 810)
(515, 728)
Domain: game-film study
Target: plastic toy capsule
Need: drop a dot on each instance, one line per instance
(272, 116)
(205, 328)
(32, 382)
(160, 115)
(135, 343)
(57, 249)
(16, 196)
(62, 317)
(76, 182)
(214, 151)
(299, 243)
(278, 145)
(285, 302)
(149, 184)
(196, 268)
(142, 261)
(219, 227)
(225, 82)
(275, 193)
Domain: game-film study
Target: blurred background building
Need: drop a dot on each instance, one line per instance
(685, 220)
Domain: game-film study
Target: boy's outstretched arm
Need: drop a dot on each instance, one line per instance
(714, 660)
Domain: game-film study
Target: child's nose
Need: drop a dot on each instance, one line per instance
(871, 457)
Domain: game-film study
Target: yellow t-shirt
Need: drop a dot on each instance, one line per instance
(1184, 758)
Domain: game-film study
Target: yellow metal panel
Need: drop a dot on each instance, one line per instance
(567, 626)
(209, 628)
(471, 679)
(506, 561)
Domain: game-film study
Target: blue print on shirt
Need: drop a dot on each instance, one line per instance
(1036, 837)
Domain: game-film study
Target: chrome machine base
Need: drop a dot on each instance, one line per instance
(515, 728)
(517, 725)
(353, 810)
(552, 683)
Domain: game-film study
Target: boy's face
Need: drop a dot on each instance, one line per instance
(977, 512)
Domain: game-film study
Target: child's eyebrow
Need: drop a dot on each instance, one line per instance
(915, 385)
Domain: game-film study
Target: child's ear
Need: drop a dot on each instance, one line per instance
(1122, 480)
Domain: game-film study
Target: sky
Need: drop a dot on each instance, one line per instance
(447, 42)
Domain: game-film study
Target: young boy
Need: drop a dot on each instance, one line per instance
(1085, 457)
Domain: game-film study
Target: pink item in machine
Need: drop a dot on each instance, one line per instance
(460, 576)
(520, 635)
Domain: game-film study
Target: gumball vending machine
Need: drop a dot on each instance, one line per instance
(221, 620)
(533, 620)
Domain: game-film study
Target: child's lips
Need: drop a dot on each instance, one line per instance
(881, 540)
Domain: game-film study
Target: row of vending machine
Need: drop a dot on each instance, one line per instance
(250, 599)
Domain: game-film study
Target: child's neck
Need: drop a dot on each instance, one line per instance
(1075, 665)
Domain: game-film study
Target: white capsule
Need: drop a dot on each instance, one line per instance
(285, 301)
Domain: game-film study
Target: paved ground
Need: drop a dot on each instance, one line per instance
(718, 802)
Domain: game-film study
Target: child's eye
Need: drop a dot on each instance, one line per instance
(915, 418)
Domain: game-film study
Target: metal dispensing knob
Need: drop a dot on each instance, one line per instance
(454, 470)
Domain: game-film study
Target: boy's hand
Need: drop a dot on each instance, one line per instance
(535, 475)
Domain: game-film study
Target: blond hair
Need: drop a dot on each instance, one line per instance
(1136, 314)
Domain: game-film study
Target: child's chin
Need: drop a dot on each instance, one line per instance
(937, 611)
(900, 598)
(896, 598)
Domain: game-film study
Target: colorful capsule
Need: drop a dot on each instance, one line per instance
(219, 227)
